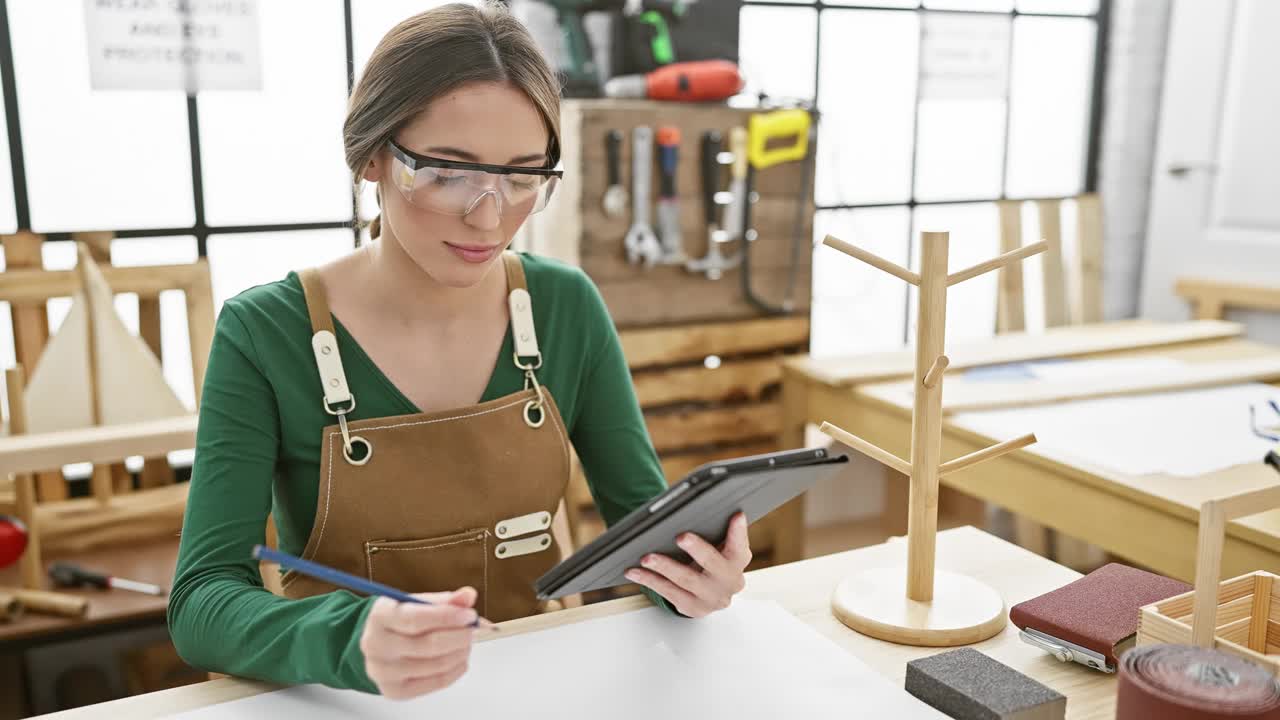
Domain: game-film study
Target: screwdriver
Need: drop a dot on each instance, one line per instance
(70, 575)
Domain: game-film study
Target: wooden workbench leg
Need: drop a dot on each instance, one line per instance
(13, 687)
(789, 528)
(1077, 554)
(1031, 535)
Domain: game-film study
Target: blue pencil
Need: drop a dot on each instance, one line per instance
(336, 577)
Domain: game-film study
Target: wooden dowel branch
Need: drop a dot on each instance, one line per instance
(872, 259)
(932, 377)
(997, 262)
(985, 454)
(866, 448)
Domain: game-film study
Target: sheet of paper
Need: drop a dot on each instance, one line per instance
(754, 660)
(1183, 433)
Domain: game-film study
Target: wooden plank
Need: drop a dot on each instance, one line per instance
(1017, 347)
(1156, 628)
(1089, 232)
(1228, 590)
(667, 295)
(732, 381)
(969, 396)
(99, 444)
(1236, 632)
(1055, 280)
(1228, 612)
(1259, 612)
(676, 466)
(696, 428)
(644, 347)
(1010, 310)
(32, 286)
(1213, 296)
(83, 524)
(30, 320)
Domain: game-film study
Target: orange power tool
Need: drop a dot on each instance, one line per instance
(690, 81)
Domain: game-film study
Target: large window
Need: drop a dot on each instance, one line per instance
(930, 112)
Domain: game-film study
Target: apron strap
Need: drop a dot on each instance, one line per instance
(337, 396)
(521, 307)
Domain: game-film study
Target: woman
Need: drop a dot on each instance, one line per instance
(444, 475)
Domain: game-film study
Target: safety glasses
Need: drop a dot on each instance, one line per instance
(456, 188)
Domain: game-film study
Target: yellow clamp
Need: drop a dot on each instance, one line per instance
(777, 137)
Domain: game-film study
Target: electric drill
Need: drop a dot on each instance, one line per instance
(581, 77)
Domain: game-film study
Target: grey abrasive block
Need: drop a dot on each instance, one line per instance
(968, 685)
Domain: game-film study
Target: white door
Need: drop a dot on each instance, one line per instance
(1215, 207)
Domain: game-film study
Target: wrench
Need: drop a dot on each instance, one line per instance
(641, 242)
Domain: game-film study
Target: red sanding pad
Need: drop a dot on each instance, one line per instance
(1099, 610)
(1183, 682)
(13, 540)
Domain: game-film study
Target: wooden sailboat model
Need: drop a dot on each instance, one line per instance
(97, 389)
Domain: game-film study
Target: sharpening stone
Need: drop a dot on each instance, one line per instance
(968, 685)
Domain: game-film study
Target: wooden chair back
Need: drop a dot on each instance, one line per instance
(1072, 292)
(27, 287)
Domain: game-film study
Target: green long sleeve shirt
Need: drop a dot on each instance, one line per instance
(258, 452)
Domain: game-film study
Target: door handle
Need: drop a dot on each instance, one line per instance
(1179, 170)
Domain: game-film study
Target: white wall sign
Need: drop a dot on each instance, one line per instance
(186, 45)
(964, 57)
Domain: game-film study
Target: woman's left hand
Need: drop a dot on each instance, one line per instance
(710, 582)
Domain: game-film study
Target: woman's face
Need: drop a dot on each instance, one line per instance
(482, 123)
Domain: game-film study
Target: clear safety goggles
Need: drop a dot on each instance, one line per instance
(456, 188)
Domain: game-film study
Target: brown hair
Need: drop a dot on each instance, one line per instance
(434, 53)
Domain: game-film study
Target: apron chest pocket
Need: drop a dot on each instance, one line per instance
(438, 564)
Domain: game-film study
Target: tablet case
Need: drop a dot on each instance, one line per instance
(755, 493)
(1099, 611)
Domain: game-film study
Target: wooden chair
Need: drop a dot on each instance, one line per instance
(1072, 296)
(59, 525)
(31, 331)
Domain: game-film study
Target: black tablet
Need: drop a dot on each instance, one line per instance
(702, 503)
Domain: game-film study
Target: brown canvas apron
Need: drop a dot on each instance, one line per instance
(436, 501)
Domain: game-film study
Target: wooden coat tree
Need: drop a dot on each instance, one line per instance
(937, 608)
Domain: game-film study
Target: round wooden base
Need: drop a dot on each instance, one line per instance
(963, 610)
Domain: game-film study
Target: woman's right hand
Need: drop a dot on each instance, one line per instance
(411, 650)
